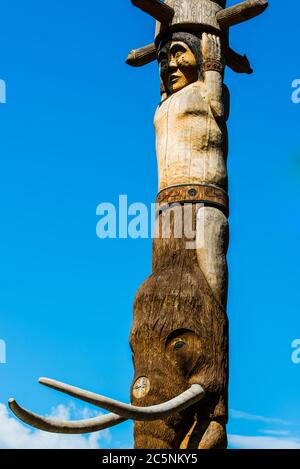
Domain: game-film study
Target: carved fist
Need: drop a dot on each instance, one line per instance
(212, 52)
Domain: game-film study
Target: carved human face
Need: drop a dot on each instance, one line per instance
(178, 65)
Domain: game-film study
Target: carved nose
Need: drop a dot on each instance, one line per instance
(172, 64)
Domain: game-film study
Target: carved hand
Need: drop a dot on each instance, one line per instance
(212, 53)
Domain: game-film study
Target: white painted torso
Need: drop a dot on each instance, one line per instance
(191, 145)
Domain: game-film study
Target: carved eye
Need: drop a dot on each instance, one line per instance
(179, 54)
(179, 344)
(183, 349)
(178, 49)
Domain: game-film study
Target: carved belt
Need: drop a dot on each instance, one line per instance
(195, 193)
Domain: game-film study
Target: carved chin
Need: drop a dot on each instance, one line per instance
(178, 84)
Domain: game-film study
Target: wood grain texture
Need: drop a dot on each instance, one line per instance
(142, 56)
(241, 12)
(238, 63)
(176, 302)
(191, 15)
(147, 54)
(162, 12)
(180, 331)
(193, 193)
(191, 141)
(205, 434)
(179, 334)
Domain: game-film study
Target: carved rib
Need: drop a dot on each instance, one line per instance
(242, 12)
(142, 56)
(160, 11)
(194, 394)
(63, 426)
(238, 63)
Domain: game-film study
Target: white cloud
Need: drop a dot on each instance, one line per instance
(238, 414)
(15, 435)
(262, 442)
(275, 432)
(269, 438)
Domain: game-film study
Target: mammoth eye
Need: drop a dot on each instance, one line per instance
(179, 344)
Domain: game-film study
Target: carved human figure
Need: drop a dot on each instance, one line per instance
(192, 141)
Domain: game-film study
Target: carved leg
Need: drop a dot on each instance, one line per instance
(212, 246)
(205, 434)
(215, 437)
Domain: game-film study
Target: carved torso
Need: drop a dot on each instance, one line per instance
(191, 140)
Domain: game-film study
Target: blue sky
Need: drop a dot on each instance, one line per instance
(77, 131)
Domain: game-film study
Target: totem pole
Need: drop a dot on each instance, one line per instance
(179, 337)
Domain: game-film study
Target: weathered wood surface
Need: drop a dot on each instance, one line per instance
(147, 54)
(179, 337)
(191, 149)
(197, 15)
(200, 436)
(242, 12)
(200, 12)
(190, 142)
(238, 63)
(160, 11)
(180, 328)
(191, 15)
(190, 193)
(191, 134)
(142, 56)
(176, 305)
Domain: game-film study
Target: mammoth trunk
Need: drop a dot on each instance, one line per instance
(179, 338)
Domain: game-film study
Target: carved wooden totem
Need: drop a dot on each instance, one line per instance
(179, 337)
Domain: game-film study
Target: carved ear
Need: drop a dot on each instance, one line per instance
(158, 10)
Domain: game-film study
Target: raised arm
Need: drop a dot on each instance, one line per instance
(213, 73)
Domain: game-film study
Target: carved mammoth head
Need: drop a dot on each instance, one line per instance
(178, 339)
(179, 344)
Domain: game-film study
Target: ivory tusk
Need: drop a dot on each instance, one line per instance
(181, 402)
(63, 426)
